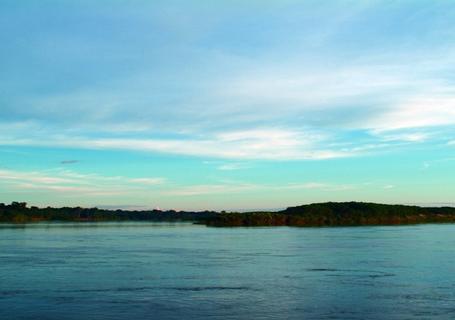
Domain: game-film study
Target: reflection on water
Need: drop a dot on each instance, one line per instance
(182, 271)
(84, 225)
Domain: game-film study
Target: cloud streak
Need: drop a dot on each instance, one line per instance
(69, 182)
(265, 144)
(235, 188)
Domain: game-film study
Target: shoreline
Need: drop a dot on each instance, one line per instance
(329, 214)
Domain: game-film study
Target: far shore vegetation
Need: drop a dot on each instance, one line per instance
(318, 214)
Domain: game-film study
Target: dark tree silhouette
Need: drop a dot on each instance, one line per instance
(318, 214)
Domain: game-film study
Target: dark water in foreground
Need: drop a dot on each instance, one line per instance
(162, 271)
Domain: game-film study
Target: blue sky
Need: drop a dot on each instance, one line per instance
(226, 104)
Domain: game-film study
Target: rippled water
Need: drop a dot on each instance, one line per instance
(184, 271)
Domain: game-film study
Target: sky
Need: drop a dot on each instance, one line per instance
(226, 105)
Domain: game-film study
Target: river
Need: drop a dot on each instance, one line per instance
(184, 271)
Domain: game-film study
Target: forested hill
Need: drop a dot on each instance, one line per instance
(339, 214)
(319, 214)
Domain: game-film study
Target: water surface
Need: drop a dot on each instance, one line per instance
(184, 271)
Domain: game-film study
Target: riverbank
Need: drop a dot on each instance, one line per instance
(320, 214)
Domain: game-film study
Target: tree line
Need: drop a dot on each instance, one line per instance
(318, 214)
(19, 212)
(339, 214)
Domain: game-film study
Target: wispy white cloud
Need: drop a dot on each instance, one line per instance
(232, 166)
(318, 186)
(33, 176)
(268, 144)
(417, 112)
(240, 187)
(147, 181)
(315, 108)
(297, 88)
(402, 136)
(73, 190)
(66, 181)
(211, 189)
